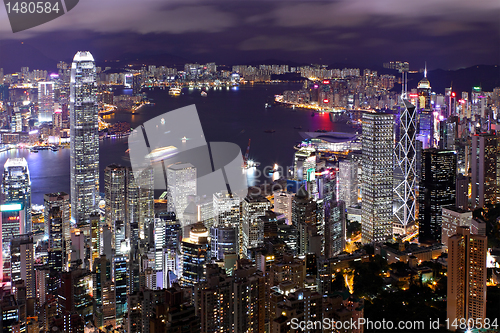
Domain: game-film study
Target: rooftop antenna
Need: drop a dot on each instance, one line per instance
(425, 69)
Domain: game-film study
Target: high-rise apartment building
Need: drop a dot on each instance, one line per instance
(436, 190)
(466, 294)
(377, 190)
(84, 134)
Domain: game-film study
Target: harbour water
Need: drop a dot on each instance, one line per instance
(234, 115)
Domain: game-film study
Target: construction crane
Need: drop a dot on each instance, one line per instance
(248, 164)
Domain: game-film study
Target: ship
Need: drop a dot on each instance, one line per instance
(174, 91)
(203, 93)
(269, 131)
(159, 154)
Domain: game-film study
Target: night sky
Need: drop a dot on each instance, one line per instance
(448, 34)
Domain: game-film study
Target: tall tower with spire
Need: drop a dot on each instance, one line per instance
(84, 133)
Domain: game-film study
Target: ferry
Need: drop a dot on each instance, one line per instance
(269, 131)
(159, 154)
(203, 93)
(174, 91)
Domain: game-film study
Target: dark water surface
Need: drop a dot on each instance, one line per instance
(234, 115)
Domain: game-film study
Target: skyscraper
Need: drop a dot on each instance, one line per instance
(405, 199)
(45, 101)
(84, 133)
(436, 190)
(60, 200)
(377, 162)
(195, 254)
(253, 207)
(22, 258)
(16, 188)
(483, 164)
(181, 184)
(466, 294)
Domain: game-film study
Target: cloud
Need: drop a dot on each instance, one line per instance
(133, 16)
(285, 43)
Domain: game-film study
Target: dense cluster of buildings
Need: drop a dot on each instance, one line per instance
(254, 262)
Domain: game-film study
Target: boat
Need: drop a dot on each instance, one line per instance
(273, 170)
(184, 139)
(34, 150)
(298, 127)
(174, 91)
(159, 154)
(54, 148)
(312, 114)
(203, 94)
(269, 131)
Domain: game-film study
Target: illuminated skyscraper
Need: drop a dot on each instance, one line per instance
(253, 207)
(483, 164)
(60, 200)
(405, 199)
(466, 294)
(377, 162)
(16, 188)
(84, 133)
(45, 101)
(22, 258)
(226, 208)
(181, 184)
(195, 255)
(283, 204)
(436, 190)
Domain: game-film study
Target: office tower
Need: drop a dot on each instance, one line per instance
(173, 238)
(75, 293)
(181, 180)
(45, 101)
(348, 181)
(304, 160)
(195, 254)
(159, 244)
(12, 216)
(22, 257)
(84, 127)
(377, 163)
(483, 165)
(335, 228)
(424, 93)
(405, 199)
(466, 291)
(226, 208)
(16, 188)
(283, 204)
(453, 218)
(120, 279)
(115, 181)
(304, 219)
(224, 240)
(57, 253)
(61, 200)
(436, 190)
(253, 207)
(103, 292)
